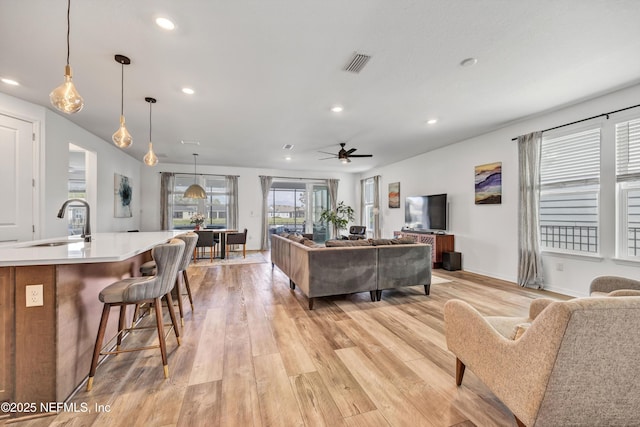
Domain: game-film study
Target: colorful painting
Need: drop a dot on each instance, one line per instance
(122, 198)
(489, 184)
(394, 195)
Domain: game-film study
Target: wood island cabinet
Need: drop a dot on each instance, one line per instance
(7, 367)
(439, 243)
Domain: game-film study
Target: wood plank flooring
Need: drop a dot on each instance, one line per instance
(252, 354)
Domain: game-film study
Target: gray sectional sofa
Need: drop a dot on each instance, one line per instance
(368, 266)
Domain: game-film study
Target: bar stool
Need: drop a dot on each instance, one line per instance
(149, 268)
(138, 290)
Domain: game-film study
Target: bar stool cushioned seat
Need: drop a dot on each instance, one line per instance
(138, 290)
(190, 240)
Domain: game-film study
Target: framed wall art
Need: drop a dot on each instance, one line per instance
(394, 195)
(122, 198)
(489, 184)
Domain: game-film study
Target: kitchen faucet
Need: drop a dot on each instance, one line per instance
(86, 232)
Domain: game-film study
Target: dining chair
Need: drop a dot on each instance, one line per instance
(238, 239)
(206, 239)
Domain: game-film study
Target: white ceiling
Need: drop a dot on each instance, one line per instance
(266, 73)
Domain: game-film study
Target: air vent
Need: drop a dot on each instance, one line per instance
(357, 63)
(287, 146)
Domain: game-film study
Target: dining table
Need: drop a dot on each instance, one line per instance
(222, 233)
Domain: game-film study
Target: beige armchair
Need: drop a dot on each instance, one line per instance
(614, 286)
(576, 364)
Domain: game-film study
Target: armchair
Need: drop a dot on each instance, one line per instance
(573, 365)
(357, 232)
(614, 286)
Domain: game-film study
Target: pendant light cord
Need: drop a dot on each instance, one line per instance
(122, 90)
(150, 103)
(68, 28)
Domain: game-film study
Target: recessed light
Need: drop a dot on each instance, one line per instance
(337, 108)
(165, 24)
(432, 121)
(10, 82)
(188, 90)
(287, 158)
(468, 62)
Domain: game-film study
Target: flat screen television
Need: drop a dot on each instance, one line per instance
(426, 213)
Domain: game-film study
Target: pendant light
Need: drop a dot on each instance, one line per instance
(122, 137)
(150, 159)
(65, 97)
(195, 191)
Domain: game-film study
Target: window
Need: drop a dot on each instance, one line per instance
(628, 187)
(570, 192)
(77, 189)
(368, 204)
(214, 207)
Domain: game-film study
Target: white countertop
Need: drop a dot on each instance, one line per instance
(104, 247)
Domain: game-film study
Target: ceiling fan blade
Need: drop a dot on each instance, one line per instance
(327, 158)
(331, 154)
(351, 151)
(361, 155)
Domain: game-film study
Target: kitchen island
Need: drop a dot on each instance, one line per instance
(50, 311)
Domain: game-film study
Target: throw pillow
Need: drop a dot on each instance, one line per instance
(345, 243)
(296, 238)
(310, 243)
(380, 242)
(402, 241)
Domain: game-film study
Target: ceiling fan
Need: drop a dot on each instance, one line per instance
(344, 155)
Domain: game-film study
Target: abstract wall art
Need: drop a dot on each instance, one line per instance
(394, 195)
(489, 184)
(122, 199)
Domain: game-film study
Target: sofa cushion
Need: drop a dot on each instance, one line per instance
(380, 242)
(403, 241)
(343, 243)
(310, 243)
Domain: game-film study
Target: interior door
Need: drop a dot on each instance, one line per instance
(17, 178)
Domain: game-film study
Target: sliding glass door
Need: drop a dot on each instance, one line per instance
(295, 207)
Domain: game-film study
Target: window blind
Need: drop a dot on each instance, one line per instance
(571, 160)
(628, 151)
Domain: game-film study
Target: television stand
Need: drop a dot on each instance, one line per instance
(439, 243)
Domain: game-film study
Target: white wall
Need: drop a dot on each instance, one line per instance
(486, 235)
(249, 193)
(109, 159)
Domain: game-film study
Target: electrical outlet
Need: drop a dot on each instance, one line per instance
(34, 295)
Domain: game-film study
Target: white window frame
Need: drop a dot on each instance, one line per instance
(575, 187)
(626, 181)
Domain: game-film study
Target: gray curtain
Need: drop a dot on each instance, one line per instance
(232, 205)
(265, 184)
(376, 207)
(529, 257)
(332, 185)
(167, 180)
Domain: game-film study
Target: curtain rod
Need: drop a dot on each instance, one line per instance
(298, 178)
(202, 174)
(588, 118)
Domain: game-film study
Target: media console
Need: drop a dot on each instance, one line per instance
(439, 243)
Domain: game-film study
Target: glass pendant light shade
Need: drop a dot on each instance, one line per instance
(195, 191)
(122, 137)
(150, 159)
(65, 97)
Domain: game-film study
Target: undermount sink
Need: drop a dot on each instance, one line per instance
(59, 243)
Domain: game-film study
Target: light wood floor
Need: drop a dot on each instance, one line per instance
(253, 355)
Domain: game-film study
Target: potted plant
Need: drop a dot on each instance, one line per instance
(338, 217)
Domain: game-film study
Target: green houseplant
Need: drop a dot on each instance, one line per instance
(338, 217)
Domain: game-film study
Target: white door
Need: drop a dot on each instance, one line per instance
(16, 179)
